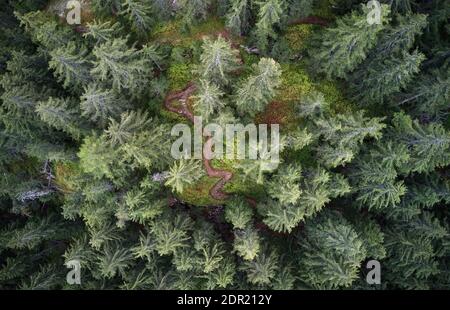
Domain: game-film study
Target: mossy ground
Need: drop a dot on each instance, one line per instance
(172, 32)
(64, 172)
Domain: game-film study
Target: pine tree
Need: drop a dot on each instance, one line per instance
(412, 253)
(429, 95)
(332, 252)
(62, 114)
(247, 243)
(238, 16)
(383, 79)
(45, 30)
(208, 99)
(124, 66)
(345, 46)
(131, 122)
(218, 60)
(428, 144)
(269, 15)
(376, 185)
(99, 105)
(171, 232)
(183, 173)
(400, 37)
(279, 217)
(258, 89)
(105, 7)
(193, 11)
(139, 14)
(101, 31)
(285, 185)
(115, 260)
(262, 269)
(145, 148)
(238, 213)
(71, 66)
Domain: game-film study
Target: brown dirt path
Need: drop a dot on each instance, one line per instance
(182, 97)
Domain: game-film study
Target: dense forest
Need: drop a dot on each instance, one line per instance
(86, 117)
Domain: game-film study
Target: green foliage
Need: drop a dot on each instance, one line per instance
(383, 79)
(238, 16)
(217, 60)
(138, 13)
(269, 16)
(346, 45)
(101, 31)
(127, 68)
(86, 171)
(428, 144)
(331, 253)
(62, 114)
(98, 105)
(182, 173)
(208, 99)
(238, 213)
(258, 89)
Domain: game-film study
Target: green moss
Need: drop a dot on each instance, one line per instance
(209, 26)
(179, 74)
(323, 8)
(64, 175)
(334, 97)
(244, 187)
(305, 157)
(171, 32)
(297, 36)
(295, 83)
(198, 193)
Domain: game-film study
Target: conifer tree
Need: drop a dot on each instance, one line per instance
(331, 252)
(238, 16)
(238, 213)
(429, 95)
(208, 99)
(258, 89)
(193, 11)
(263, 268)
(124, 66)
(345, 46)
(98, 105)
(101, 31)
(218, 60)
(71, 66)
(138, 13)
(428, 144)
(183, 173)
(386, 78)
(269, 15)
(62, 114)
(247, 243)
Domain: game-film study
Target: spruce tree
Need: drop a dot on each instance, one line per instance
(258, 89)
(218, 60)
(345, 46)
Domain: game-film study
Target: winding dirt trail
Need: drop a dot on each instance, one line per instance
(182, 109)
